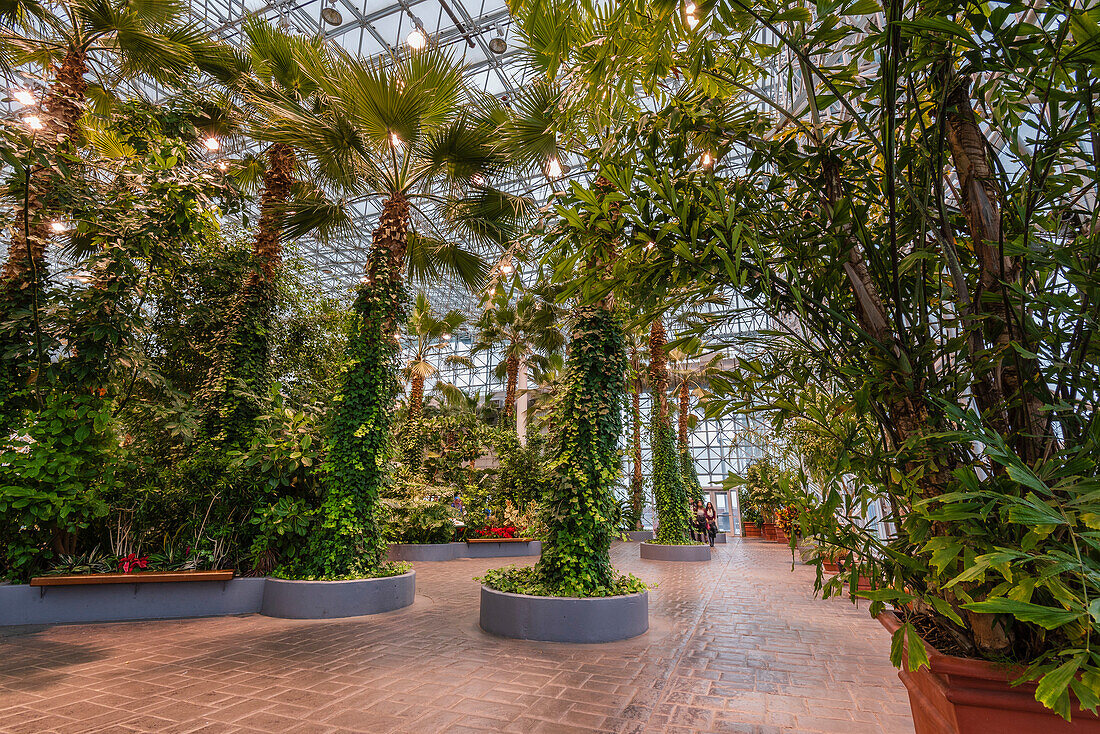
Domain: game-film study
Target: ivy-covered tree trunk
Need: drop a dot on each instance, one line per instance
(243, 359)
(687, 465)
(636, 482)
(576, 555)
(512, 365)
(349, 541)
(669, 492)
(412, 440)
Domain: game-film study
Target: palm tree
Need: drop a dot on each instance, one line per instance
(403, 130)
(279, 66)
(525, 334)
(431, 336)
(112, 39)
(691, 376)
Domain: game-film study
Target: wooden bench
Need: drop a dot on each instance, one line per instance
(140, 577)
(499, 540)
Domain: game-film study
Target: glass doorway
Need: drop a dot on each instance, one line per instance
(722, 507)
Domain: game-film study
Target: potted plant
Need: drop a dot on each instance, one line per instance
(751, 520)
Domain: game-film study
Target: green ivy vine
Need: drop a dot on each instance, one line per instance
(581, 503)
(669, 493)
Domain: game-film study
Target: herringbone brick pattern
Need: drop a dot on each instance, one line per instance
(738, 644)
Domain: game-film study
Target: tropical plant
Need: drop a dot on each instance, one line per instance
(404, 131)
(941, 285)
(524, 335)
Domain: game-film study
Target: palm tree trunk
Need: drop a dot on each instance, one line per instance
(509, 417)
(685, 406)
(416, 399)
(658, 367)
(636, 499)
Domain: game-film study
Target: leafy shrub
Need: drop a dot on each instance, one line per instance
(525, 580)
(417, 518)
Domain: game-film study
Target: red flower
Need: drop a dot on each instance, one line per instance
(131, 563)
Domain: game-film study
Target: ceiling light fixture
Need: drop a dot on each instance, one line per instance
(34, 122)
(395, 140)
(707, 160)
(211, 143)
(331, 15)
(223, 166)
(58, 226)
(506, 268)
(417, 40)
(24, 97)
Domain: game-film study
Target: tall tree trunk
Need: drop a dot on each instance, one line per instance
(1015, 411)
(243, 352)
(636, 499)
(658, 367)
(509, 417)
(416, 398)
(350, 536)
(685, 408)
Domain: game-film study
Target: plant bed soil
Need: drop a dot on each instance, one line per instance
(564, 619)
(292, 599)
(965, 696)
(684, 553)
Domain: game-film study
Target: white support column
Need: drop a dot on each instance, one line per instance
(521, 404)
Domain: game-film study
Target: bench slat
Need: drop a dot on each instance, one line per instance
(141, 577)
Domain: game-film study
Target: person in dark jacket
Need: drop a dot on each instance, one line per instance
(712, 522)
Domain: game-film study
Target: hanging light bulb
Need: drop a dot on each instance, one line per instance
(553, 168)
(417, 40)
(506, 268)
(689, 9)
(650, 245)
(34, 122)
(707, 160)
(446, 337)
(365, 280)
(223, 166)
(24, 97)
(211, 143)
(395, 140)
(477, 179)
(58, 226)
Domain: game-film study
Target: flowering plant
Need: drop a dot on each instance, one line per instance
(504, 533)
(132, 562)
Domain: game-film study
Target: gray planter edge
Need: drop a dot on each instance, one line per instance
(425, 551)
(502, 550)
(295, 599)
(564, 619)
(21, 604)
(639, 535)
(682, 553)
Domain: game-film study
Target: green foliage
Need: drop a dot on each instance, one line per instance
(523, 473)
(749, 512)
(282, 529)
(669, 494)
(692, 488)
(527, 580)
(580, 504)
(764, 489)
(349, 538)
(419, 513)
(52, 477)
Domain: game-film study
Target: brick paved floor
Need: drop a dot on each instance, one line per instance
(736, 645)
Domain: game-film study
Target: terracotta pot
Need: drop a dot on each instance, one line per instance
(780, 536)
(750, 530)
(962, 696)
(830, 567)
(769, 531)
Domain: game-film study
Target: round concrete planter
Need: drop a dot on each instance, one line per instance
(639, 535)
(656, 552)
(564, 619)
(331, 599)
(426, 551)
